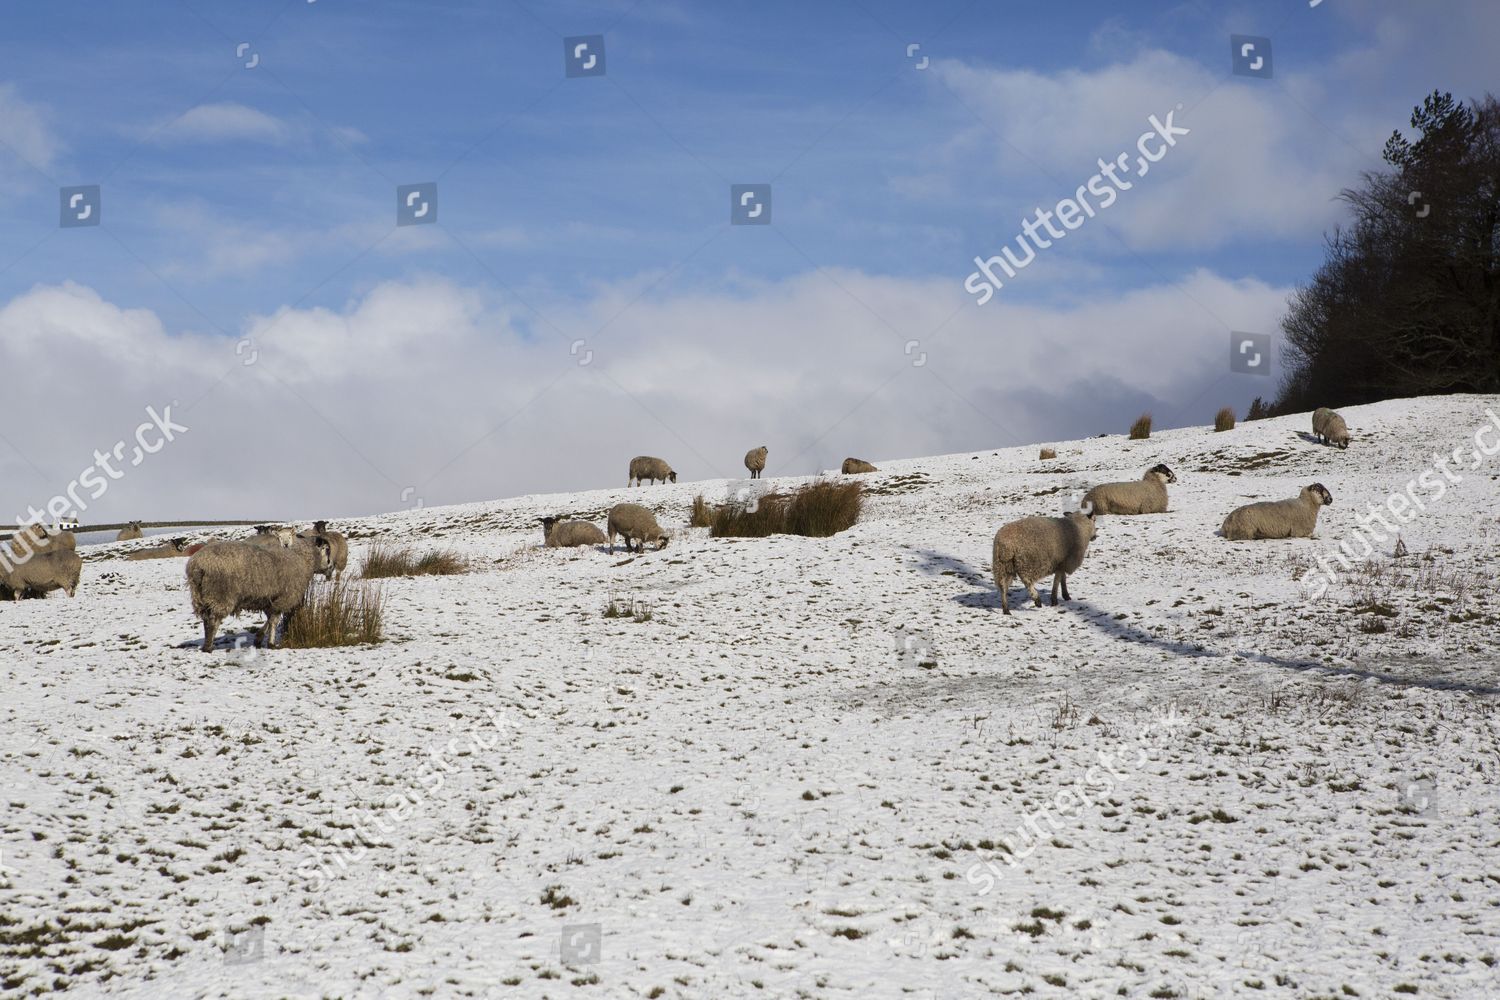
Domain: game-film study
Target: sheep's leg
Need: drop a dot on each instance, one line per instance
(1005, 597)
(1056, 579)
(210, 629)
(1031, 593)
(273, 625)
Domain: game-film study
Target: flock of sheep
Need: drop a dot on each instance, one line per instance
(271, 571)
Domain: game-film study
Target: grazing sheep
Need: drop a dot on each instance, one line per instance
(635, 523)
(854, 466)
(559, 534)
(1033, 547)
(40, 574)
(338, 545)
(755, 461)
(1147, 495)
(174, 548)
(644, 467)
(1295, 518)
(1330, 427)
(130, 533)
(225, 578)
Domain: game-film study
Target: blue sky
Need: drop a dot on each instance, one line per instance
(241, 199)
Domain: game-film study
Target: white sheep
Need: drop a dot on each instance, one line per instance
(130, 533)
(1034, 547)
(338, 546)
(1330, 427)
(855, 466)
(559, 534)
(226, 578)
(755, 461)
(1147, 495)
(644, 467)
(635, 523)
(40, 573)
(1295, 518)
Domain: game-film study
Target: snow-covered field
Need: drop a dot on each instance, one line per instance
(799, 775)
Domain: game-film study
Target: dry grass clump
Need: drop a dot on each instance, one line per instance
(341, 613)
(1224, 419)
(818, 510)
(1259, 410)
(1048, 453)
(387, 561)
(1141, 429)
(703, 515)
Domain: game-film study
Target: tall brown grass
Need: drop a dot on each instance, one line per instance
(1048, 453)
(818, 510)
(340, 613)
(703, 516)
(387, 561)
(1224, 419)
(1141, 429)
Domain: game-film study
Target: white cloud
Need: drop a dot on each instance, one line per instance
(25, 129)
(224, 121)
(434, 386)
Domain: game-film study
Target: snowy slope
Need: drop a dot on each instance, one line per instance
(800, 775)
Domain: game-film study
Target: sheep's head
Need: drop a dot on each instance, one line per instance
(547, 523)
(661, 541)
(179, 544)
(1342, 440)
(320, 527)
(288, 537)
(671, 475)
(322, 554)
(1165, 473)
(1319, 493)
(1084, 521)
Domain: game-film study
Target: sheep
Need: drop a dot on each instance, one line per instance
(1295, 518)
(635, 523)
(1035, 546)
(174, 548)
(40, 574)
(225, 578)
(338, 545)
(755, 461)
(39, 539)
(130, 533)
(644, 467)
(1330, 427)
(855, 466)
(1147, 495)
(560, 534)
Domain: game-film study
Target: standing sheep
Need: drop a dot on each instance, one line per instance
(338, 546)
(225, 578)
(755, 461)
(1295, 518)
(644, 467)
(1033, 547)
(635, 523)
(558, 534)
(1330, 427)
(855, 466)
(40, 574)
(39, 539)
(1147, 495)
(130, 533)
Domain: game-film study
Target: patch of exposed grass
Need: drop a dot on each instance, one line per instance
(1141, 429)
(818, 510)
(1224, 419)
(1048, 453)
(703, 515)
(388, 561)
(342, 613)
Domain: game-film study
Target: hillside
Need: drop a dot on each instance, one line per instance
(799, 774)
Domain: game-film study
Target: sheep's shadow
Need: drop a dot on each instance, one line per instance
(1312, 439)
(935, 563)
(228, 642)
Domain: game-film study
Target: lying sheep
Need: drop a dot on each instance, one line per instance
(174, 548)
(644, 467)
(1295, 518)
(1033, 547)
(755, 461)
(225, 578)
(635, 523)
(338, 545)
(855, 466)
(1330, 427)
(40, 574)
(559, 534)
(130, 533)
(1147, 495)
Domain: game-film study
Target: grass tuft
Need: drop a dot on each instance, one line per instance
(703, 516)
(1141, 429)
(818, 510)
(341, 613)
(388, 561)
(1048, 453)
(1224, 419)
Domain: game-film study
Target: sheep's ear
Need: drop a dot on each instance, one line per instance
(1088, 509)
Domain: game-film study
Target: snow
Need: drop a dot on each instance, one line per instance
(795, 778)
